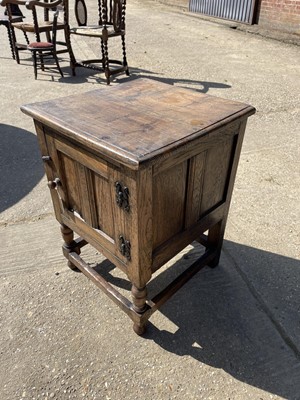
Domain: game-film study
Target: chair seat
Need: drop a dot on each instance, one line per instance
(95, 31)
(43, 26)
(40, 46)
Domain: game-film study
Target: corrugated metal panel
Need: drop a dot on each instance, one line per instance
(234, 10)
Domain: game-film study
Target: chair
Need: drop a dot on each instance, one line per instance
(111, 23)
(17, 16)
(43, 50)
(41, 24)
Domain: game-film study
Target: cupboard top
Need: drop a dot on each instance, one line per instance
(137, 120)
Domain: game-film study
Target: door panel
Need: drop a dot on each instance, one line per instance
(103, 203)
(71, 184)
(86, 192)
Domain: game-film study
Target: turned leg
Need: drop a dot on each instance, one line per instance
(69, 244)
(10, 41)
(139, 296)
(14, 44)
(124, 55)
(103, 54)
(106, 62)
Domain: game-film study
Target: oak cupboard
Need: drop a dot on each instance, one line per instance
(139, 171)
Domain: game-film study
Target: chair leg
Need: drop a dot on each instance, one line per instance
(34, 56)
(106, 62)
(70, 50)
(103, 54)
(14, 46)
(10, 42)
(57, 63)
(124, 55)
(41, 60)
(26, 37)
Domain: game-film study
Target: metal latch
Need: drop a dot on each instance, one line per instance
(122, 196)
(124, 247)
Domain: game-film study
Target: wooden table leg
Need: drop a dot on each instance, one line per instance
(215, 241)
(139, 297)
(69, 244)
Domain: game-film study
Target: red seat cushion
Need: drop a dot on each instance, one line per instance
(40, 45)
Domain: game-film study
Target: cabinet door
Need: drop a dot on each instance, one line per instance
(87, 191)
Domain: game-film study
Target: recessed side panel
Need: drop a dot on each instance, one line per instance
(195, 188)
(169, 197)
(216, 175)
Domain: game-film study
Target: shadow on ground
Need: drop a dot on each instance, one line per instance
(20, 164)
(98, 77)
(219, 321)
(198, 86)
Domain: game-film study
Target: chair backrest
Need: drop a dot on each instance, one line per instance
(110, 13)
(81, 12)
(36, 6)
(48, 7)
(12, 8)
(15, 11)
(40, 12)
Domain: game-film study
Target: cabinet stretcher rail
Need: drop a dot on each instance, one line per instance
(157, 301)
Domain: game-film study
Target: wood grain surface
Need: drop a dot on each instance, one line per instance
(137, 120)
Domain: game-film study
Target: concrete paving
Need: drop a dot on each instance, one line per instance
(230, 333)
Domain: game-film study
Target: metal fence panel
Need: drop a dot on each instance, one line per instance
(234, 10)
